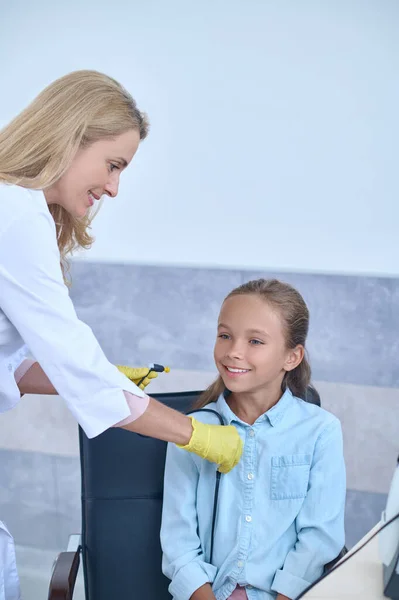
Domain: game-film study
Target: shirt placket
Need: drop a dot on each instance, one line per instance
(249, 461)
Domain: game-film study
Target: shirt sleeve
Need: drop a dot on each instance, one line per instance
(183, 560)
(320, 522)
(35, 299)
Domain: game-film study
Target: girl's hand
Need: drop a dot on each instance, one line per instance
(203, 593)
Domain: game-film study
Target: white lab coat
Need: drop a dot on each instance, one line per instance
(37, 319)
(9, 581)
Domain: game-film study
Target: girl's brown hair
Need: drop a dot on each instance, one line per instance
(295, 318)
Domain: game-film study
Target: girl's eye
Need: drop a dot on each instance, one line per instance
(256, 342)
(223, 336)
(112, 167)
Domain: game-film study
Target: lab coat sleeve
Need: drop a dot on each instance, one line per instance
(35, 299)
(9, 391)
(183, 559)
(320, 522)
(9, 581)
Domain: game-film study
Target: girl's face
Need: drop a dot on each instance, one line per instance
(250, 351)
(94, 171)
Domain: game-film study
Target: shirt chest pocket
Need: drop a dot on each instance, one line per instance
(290, 476)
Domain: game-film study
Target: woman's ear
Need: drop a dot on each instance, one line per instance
(294, 358)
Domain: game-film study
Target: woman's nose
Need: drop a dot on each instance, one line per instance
(112, 187)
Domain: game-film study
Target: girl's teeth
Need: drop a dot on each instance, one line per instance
(237, 370)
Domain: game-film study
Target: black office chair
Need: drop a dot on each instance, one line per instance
(122, 486)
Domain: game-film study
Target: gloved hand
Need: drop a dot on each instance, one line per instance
(220, 444)
(141, 376)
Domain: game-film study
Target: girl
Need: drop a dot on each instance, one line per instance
(280, 514)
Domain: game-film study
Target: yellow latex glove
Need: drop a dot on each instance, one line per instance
(137, 374)
(220, 444)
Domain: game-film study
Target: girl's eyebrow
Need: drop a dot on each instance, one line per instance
(258, 331)
(249, 331)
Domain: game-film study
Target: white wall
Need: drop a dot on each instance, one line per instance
(275, 125)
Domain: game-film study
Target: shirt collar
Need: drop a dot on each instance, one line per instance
(273, 415)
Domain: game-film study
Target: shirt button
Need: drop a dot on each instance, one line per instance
(240, 564)
(250, 476)
(251, 433)
(248, 518)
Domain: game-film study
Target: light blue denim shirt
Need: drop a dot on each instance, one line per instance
(280, 514)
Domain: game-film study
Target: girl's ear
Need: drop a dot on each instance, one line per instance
(294, 358)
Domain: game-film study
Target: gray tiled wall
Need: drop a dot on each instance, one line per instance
(168, 314)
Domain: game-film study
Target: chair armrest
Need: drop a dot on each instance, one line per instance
(332, 564)
(65, 571)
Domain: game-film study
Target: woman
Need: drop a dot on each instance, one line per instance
(57, 159)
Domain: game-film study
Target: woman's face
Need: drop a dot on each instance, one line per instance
(94, 171)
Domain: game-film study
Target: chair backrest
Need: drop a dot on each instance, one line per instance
(122, 486)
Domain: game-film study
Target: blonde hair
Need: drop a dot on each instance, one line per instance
(295, 319)
(38, 146)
